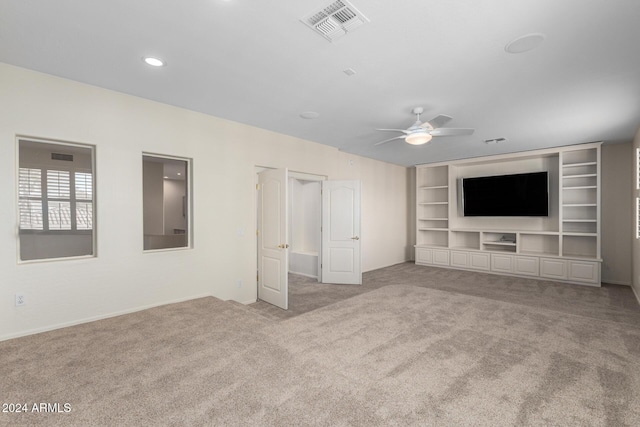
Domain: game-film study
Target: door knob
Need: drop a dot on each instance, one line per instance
(283, 246)
(355, 238)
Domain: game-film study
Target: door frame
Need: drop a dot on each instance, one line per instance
(305, 176)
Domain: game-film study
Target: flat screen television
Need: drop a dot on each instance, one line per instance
(524, 194)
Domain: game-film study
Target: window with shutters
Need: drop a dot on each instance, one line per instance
(55, 200)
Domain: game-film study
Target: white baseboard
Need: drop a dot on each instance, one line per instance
(616, 282)
(304, 274)
(636, 294)
(95, 318)
(388, 265)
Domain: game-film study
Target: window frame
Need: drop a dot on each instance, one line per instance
(187, 206)
(44, 199)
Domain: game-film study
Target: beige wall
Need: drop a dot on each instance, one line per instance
(616, 213)
(635, 247)
(123, 278)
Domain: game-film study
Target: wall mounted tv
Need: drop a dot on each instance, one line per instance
(524, 194)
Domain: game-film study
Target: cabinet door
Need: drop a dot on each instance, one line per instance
(553, 268)
(424, 256)
(584, 271)
(479, 261)
(527, 266)
(440, 257)
(502, 263)
(460, 259)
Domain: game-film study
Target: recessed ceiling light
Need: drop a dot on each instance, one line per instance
(525, 43)
(154, 62)
(309, 115)
(166, 177)
(349, 72)
(179, 174)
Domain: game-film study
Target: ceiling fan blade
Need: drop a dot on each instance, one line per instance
(438, 121)
(395, 130)
(389, 140)
(452, 132)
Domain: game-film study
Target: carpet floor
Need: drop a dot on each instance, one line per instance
(609, 302)
(401, 354)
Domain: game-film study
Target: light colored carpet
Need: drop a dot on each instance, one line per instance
(610, 302)
(398, 355)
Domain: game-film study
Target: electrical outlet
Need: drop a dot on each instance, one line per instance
(238, 283)
(20, 300)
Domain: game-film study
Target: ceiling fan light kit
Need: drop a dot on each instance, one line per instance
(421, 133)
(418, 138)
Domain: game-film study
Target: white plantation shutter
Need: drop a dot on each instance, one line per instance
(58, 184)
(59, 211)
(30, 199)
(84, 216)
(59, 215)
(58, 200)
(31, 214)
(84, 209)
(84, 186)
(637, 217)
(30, 184)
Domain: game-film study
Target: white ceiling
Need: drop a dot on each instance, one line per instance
(254, 62)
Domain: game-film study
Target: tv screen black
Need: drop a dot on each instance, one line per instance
(524, 194)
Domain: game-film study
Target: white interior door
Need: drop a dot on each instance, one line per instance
(273, 255)
(341, 242)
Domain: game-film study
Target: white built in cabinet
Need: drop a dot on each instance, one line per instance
(565, 246)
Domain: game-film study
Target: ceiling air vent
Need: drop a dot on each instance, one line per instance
(335, 20)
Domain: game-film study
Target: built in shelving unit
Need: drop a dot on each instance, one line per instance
(433, 207)
(565, 246)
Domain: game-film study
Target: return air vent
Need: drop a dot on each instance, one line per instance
(63, 157)
(335, 20)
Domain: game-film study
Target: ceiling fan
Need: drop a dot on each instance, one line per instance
(421, 133)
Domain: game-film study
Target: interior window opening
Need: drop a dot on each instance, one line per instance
(56, 196)
(166, 196)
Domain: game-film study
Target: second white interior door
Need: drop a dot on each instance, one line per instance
(341, 243)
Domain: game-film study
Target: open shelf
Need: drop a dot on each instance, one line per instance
(465, 240)
(582, 246)
(500, 242)
(434, 177)
(433, 237)
(539, 244)
(588, 227)
(580, 196)
(432, 224)
(576, 158)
